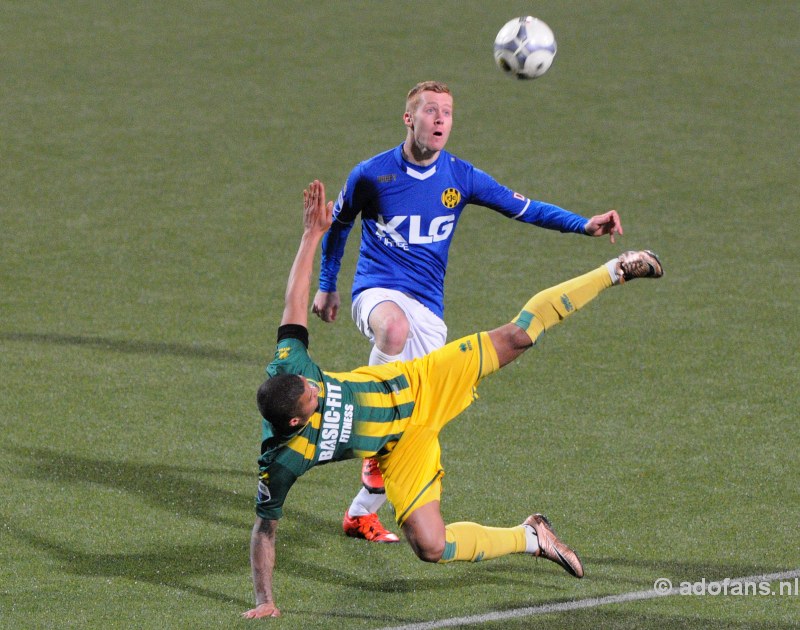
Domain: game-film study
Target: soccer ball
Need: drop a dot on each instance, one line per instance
(524, 48)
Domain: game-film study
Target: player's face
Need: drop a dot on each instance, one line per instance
(431, 121)
(308, 399)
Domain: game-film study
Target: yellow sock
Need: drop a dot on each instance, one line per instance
(471, 542)
(549, 307)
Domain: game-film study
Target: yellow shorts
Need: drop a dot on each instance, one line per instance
(444, 384)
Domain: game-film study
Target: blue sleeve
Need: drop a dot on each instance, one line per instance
(333, 244)
(487, 192)
(335, 239)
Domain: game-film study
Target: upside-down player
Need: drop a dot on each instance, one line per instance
(394, 412)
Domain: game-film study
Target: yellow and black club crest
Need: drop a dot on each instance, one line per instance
(450, 198)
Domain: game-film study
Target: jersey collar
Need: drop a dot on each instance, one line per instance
(414, 171)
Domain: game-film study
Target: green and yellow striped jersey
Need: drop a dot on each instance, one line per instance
(359, 414)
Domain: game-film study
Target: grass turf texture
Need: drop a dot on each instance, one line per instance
(153, 158)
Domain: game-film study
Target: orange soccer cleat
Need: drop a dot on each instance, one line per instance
(368, 527)
(371, 476)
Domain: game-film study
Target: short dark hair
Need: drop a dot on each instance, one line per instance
(278, 399)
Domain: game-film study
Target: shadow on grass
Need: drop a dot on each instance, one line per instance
(193, 351)
(182, 566)
(176, 489)
(173, 488)
(183, 563)
(172, 566)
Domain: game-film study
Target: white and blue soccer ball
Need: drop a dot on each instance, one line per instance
(525, 48)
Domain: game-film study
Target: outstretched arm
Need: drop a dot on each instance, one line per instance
(262, 562)
(317, 217)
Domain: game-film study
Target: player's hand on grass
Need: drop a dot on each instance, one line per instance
(262, 610)
(326, 305)
(606, 223)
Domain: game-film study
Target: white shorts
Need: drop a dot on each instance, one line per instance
(427, 332)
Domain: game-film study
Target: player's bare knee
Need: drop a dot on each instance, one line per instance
(519, 338)
(425, 541)
(429, 552)
(430, 557)
(391, 334)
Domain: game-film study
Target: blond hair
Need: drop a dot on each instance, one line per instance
(413, 97)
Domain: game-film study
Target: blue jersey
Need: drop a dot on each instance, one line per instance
(408, 216)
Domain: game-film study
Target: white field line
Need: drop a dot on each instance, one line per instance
(578, 604)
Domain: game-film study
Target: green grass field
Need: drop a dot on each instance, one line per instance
(153, 158)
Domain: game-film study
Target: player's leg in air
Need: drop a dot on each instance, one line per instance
(424, 527)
